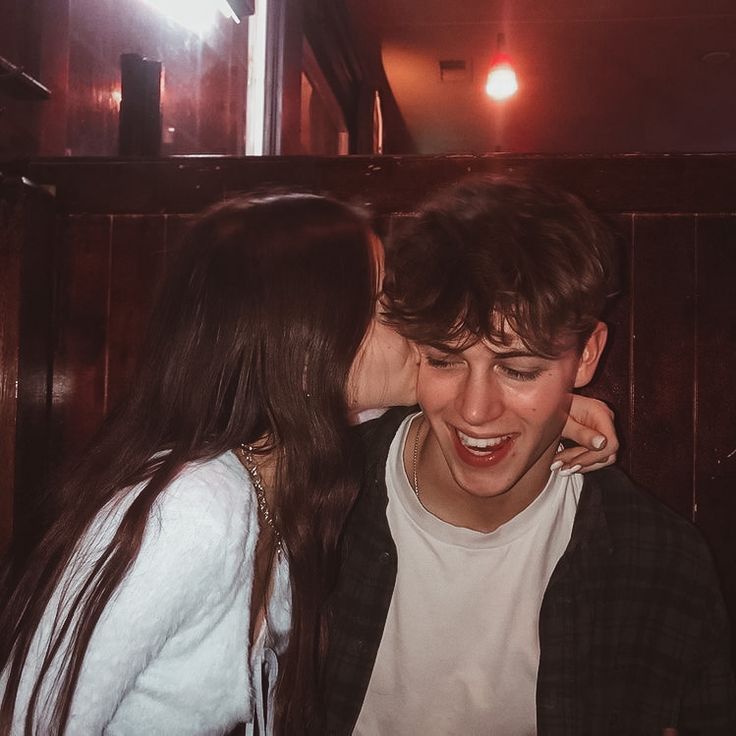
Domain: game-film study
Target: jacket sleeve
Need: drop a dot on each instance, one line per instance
(192, 560)
(708, 704)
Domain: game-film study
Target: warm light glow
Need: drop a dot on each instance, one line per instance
(255, 106)
(196, 15)
(501, 83)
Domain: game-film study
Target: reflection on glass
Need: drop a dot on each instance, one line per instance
(197, 15)
(204, 74)
(256, 94)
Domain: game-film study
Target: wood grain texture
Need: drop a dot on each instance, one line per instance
(678, 183)
(81, 358)
(176, 229)
(138, 251)
(11, 234)
(27, 226)
(663, 320)
(715, 420)
(35, 353)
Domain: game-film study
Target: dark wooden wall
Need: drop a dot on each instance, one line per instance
(27, 234)
(669, 369)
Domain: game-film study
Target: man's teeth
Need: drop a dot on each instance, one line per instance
(474, 443)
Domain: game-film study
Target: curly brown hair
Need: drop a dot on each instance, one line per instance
(489, 257)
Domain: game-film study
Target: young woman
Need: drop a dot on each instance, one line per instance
(198, 536)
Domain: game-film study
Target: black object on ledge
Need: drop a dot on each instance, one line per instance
(140, 108)
(14, 82)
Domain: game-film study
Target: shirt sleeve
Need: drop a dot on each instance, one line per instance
(195, 555)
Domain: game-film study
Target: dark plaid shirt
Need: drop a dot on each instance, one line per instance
(633, 630)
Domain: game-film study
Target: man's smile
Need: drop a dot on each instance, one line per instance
(482, 451)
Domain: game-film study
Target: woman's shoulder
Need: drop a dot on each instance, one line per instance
(201, 532)
(215, 489)
(203, 526)
(208, 501)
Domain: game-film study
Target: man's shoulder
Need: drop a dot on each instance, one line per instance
(625, 500)
(376, 435)
(639, 524)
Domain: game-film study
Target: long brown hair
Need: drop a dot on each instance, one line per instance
(253, 335)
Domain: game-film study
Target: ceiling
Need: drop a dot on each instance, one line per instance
(598, 76)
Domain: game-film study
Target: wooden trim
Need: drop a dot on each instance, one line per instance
(704, 183)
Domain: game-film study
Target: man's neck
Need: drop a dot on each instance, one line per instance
(441, 495)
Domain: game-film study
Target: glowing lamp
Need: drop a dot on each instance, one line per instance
(501, 83)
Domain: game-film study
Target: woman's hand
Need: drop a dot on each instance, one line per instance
(590, 425)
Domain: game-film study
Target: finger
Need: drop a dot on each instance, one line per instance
(586, 459)
(597, 466)
(568, 456)
(591, 424)
(601, 437)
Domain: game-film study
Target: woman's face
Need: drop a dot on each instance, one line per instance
(384, 372)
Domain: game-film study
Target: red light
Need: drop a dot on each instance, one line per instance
(501, 83)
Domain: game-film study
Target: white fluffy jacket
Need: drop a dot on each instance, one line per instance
(170, 654)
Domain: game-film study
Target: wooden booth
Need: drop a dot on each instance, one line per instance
(84, 243)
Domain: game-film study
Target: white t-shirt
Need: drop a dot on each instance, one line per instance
(170, 654)
(460, 650)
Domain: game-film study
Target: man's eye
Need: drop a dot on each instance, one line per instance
(439, 362)
(520, 375)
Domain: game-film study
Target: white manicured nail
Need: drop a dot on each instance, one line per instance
(599, 442)
(556, 465)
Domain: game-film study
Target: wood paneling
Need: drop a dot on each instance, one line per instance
(715, 421)
(138, 251)
(27, 225)
(80, 385)
(35, 354)
(663, 316)
(176, 227)
(10, 296)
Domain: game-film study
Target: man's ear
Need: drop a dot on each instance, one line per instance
(591, 354)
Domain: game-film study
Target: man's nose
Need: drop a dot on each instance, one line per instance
(480, 400)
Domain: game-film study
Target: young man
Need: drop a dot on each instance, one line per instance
(484, 591)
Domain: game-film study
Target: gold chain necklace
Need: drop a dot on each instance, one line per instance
(245, 453)
(415, 457)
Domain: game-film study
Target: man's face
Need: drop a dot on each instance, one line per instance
(496, 414)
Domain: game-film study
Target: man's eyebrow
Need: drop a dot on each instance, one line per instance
(520, 353)
(501, 353)
(443, 347)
